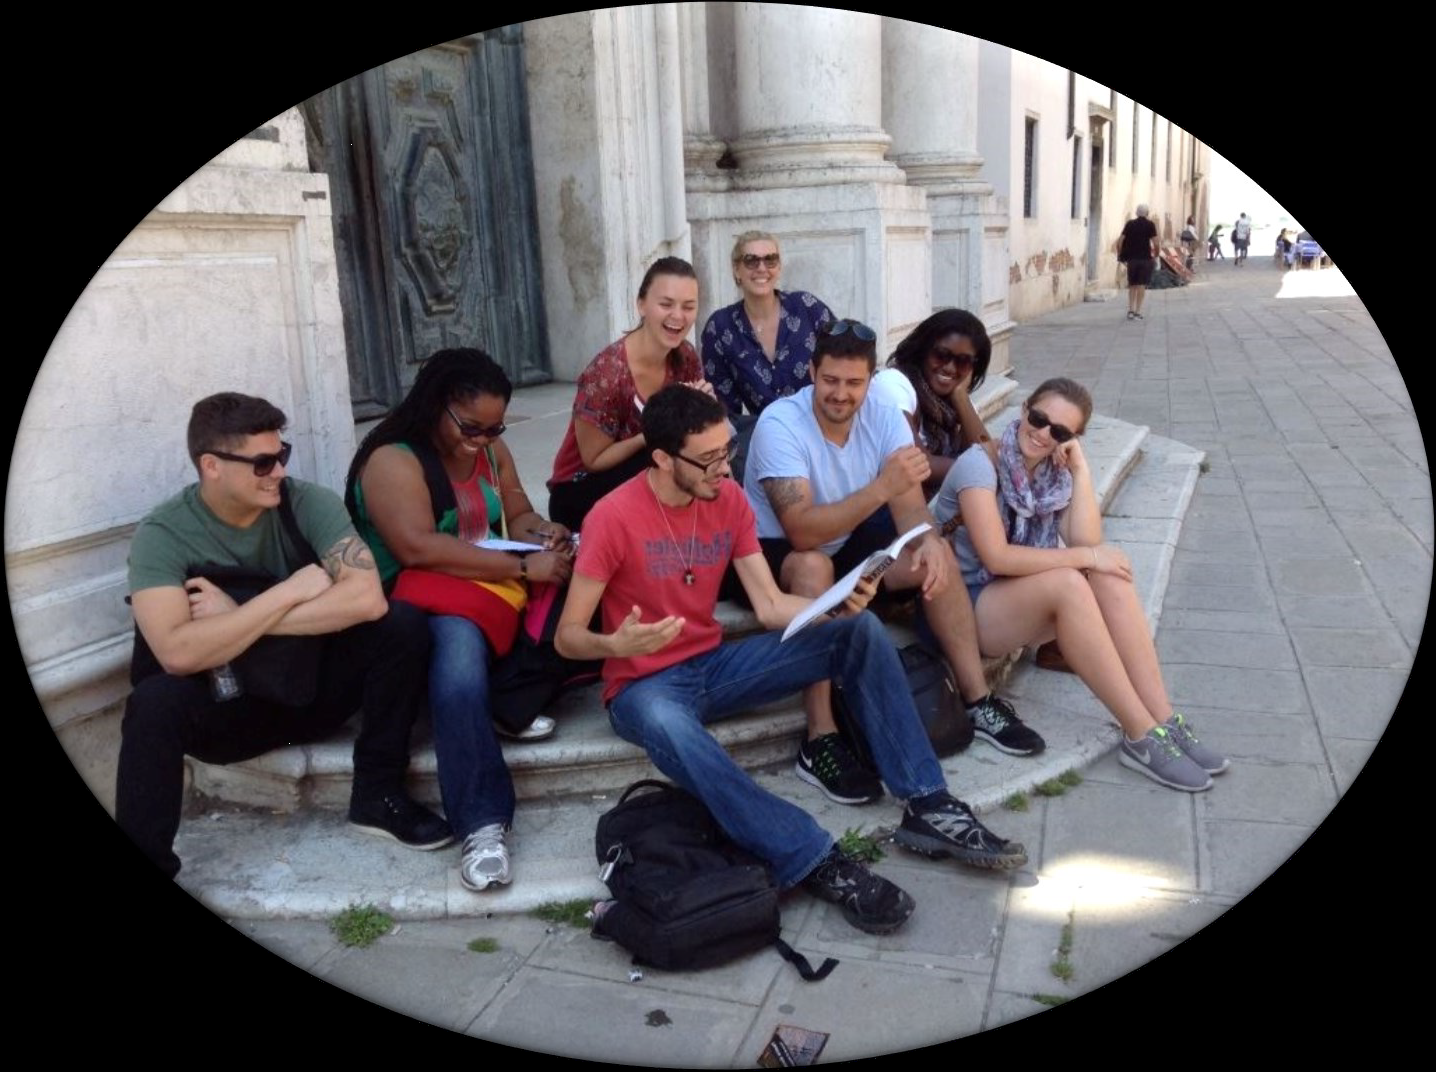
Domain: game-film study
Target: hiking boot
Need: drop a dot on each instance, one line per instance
(401, 818)
(1181, 730)
(869, 902)
(994, 720)
(485, 860)
(1160, 758)
(942, 825)
(828, 763)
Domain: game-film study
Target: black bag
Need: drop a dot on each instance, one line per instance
(934, 693)
(534, 674)
(686, 896)
(279, 669)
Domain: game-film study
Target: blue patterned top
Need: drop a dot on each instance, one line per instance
(734, 362)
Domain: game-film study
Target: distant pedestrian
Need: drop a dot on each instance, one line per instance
(1214, 244)
(1190, 241)
(1137, 248)
(1241, 238)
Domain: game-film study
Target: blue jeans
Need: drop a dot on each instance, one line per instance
(473, 778)
(665, 713)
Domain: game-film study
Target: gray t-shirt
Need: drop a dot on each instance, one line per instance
(183, 532)
(972, 469)
(787, 442)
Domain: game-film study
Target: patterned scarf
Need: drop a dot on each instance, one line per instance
(939, 419)
(1033, 499)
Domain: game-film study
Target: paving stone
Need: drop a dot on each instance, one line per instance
(1233, 621)
(1317, 577)
(1117, 928)
(1224, 541)
(1215, 571)
(1355, 703)
(1245, 854)
(632, 1023)
(1205, 647)
(1296, 793)
(1236, 688)
(1152, 825)
(1004, 1007)
(1347, 760)
(1372, 539)
(1258, 735)
(1302, 541)
(1215, 597)
(1346, 612)
(1338, 646)
(855, 1007)
(1031, 936)
(303, 942)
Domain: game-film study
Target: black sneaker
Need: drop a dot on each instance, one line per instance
(828, 763)
(942, 825)
(994, 720)
(400, 817)
(869, 902)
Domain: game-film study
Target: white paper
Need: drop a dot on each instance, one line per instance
(875, 566)
(507, 545)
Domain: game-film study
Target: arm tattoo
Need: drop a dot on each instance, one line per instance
(350, 551)
(784, 491)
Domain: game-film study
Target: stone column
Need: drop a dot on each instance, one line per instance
(701, 149)
(809, 96)
(930, 107)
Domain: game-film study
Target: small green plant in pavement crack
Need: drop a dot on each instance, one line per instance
(361, 925)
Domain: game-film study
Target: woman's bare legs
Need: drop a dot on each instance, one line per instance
(1132, 636)
(1013, 611)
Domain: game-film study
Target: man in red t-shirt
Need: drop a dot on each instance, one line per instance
(653, 555)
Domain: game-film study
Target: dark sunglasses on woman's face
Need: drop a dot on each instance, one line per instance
(947, 357)
(767, 260)
(1040, 420)
(857, 327)
(476, 431)
(263, 463)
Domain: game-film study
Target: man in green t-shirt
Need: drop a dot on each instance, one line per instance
(373, 653)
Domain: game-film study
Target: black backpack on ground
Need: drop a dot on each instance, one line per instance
(685, 895)
(934, 693)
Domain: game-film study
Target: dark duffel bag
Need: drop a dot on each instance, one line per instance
(934, 693)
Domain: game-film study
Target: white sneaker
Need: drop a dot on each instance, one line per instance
(485, 860)
(537, 730)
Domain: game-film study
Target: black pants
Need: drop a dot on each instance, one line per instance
(381, 665)
(570, 502)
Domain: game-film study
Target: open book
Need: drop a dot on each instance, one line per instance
(874, 567)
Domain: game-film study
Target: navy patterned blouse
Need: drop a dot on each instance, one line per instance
(734, 362)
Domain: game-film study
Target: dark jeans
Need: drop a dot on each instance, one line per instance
(381, 665)
(570, 502)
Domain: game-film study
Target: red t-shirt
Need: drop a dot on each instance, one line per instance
(606, 399)
(627, 545)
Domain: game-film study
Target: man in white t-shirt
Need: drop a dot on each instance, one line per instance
(830, 481)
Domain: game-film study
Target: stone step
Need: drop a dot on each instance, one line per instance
(585, 756)
(274, 862)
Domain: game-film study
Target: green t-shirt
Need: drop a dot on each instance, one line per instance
(183, 532)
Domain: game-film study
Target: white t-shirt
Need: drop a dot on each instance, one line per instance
(892, 387)
(787, 442)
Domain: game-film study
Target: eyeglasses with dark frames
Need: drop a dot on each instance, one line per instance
(730, 452)
(947, 357)
(751, 261)
(263, 463)
(1040, 420)
(476, 431)
(857, 327)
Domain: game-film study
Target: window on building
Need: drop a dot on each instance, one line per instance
(1136, 136)
(1154, 145)
(1029, 170)
(1077, 178)
(1169, 150)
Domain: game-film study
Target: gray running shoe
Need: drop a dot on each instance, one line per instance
(1208, 759)
(1160, 758)
(485, 860)
(942, 825)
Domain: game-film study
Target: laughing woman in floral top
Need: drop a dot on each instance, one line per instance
(757, 350)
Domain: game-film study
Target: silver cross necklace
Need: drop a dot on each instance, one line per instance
(692, 537)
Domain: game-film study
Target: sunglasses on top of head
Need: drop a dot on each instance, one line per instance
(857, 327)
(476, 431)
(1039, 420)
(263, 463)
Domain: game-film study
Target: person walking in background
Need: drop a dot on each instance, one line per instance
(1241, 238)
(1190, 240)
(1137, 248)
(1214, 244)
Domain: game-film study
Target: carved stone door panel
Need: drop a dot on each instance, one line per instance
(432, 180)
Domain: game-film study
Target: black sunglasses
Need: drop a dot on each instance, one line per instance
(857, 327)
(474, 431)
(730, 452)
(947, 357)
(263, 463)
(1040, 420)
(752, 260)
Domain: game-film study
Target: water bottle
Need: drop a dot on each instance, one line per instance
(224, 684)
